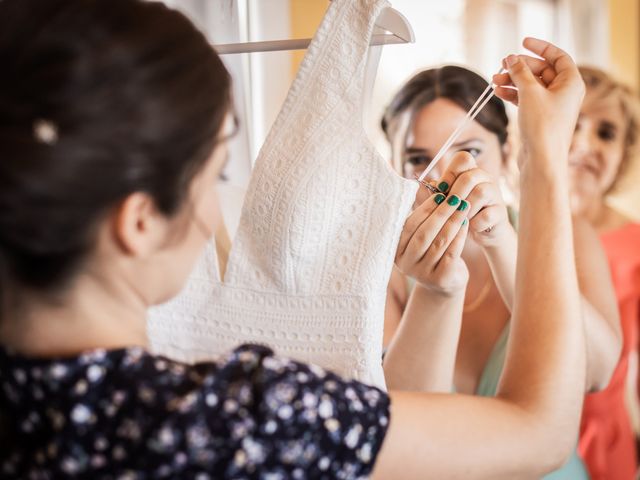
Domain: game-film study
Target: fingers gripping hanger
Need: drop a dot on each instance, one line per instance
(390, 20)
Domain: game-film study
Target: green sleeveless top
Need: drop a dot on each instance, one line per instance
(574, 469)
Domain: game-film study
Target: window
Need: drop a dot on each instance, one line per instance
(478, 33)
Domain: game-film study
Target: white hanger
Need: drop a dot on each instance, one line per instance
(390, 20)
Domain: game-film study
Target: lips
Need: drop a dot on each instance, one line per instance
(584, 166)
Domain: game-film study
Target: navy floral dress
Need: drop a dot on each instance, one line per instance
(126, 414)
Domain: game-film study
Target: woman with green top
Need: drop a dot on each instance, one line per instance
(417, 122)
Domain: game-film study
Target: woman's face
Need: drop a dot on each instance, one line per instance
(597, 150)
(191, 229)
(430, 130)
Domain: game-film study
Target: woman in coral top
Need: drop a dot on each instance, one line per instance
(604, 144)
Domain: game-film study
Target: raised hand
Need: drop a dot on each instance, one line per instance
(549, 92)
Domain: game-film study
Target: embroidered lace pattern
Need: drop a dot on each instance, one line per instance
(309, 266)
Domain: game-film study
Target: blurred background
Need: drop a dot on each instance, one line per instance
(477, 33)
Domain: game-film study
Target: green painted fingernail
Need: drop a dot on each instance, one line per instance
(439, 198)
(463, 205)
(453, 200)
(464, 222)
(443, 186)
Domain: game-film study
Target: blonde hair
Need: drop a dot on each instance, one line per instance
(602, 86)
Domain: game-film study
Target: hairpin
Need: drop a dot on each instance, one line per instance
(45, 131)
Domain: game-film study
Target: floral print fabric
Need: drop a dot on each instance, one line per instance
(127, 414)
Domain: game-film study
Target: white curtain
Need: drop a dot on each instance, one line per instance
(583, 26)
(494, 28)
(260, 81)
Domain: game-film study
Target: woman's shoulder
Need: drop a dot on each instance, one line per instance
(253, 376)
(615, 226)
(244, 411)
(623, 241)
(280, 413)
(621, 247)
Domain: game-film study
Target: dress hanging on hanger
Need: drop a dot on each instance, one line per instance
(308, 269)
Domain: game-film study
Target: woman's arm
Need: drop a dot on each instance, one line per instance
(599, 306)
(421, 355)
(531, 426)
(502, 255)
(600, 309)
(397, 299)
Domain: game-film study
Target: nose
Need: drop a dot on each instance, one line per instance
(581, 143)
(437, 171)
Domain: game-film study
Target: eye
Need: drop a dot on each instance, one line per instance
(607, 132)
(418, 160)
(473, 151)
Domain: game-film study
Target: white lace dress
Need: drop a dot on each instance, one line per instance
(310, 263)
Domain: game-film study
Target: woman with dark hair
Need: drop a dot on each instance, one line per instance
(417, 123)
(114, 116)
